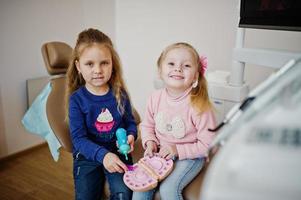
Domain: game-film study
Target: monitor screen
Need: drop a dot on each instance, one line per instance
(271, 14)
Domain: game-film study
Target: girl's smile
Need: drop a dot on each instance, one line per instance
(178, 70)
(176, 77)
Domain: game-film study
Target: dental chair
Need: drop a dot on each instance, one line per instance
(56, 56)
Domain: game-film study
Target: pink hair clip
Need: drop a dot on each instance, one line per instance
(203, 64)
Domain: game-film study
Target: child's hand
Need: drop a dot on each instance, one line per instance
(113, 164)
(131, 142)
(168, 152)
(151, 148)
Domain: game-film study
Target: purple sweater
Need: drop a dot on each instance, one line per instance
(171, 120)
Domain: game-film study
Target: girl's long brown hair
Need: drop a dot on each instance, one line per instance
(199, 96)
(86, 39)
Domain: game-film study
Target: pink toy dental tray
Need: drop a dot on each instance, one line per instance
(146, 174)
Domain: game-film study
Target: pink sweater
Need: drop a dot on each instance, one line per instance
(171, 120)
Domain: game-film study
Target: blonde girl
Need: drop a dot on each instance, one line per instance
(177, 119)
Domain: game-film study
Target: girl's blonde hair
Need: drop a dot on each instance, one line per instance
(199, 96)
(86, 39)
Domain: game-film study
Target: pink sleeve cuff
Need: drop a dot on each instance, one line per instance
(181, 152)
(149, 138)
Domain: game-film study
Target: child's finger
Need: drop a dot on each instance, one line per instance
(155, 148)
(132, 148)
(119, 169)
(149, 153)
(121, 166)
(146, 153)
(166, 153)
(163, 153)
(169, 156)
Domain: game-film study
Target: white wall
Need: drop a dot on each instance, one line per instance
(144, 28)
(140, 29)
(25, 26)
(268, 39)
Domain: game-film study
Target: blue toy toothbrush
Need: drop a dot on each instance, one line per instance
(123, 146)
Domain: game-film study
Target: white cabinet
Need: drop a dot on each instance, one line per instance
(223, 96)
(221, 107)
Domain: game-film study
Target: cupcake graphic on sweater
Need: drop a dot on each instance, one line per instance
(104, 121)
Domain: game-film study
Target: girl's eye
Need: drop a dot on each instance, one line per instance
(188, 66)
(104, 63)
(171, 64)
(90, 64)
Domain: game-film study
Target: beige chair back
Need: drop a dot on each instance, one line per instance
(56, 56)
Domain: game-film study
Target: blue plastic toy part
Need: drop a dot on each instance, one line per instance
(123, 146)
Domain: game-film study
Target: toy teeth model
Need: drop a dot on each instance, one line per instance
(146, 174)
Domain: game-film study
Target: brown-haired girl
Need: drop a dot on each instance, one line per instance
(98, 103)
